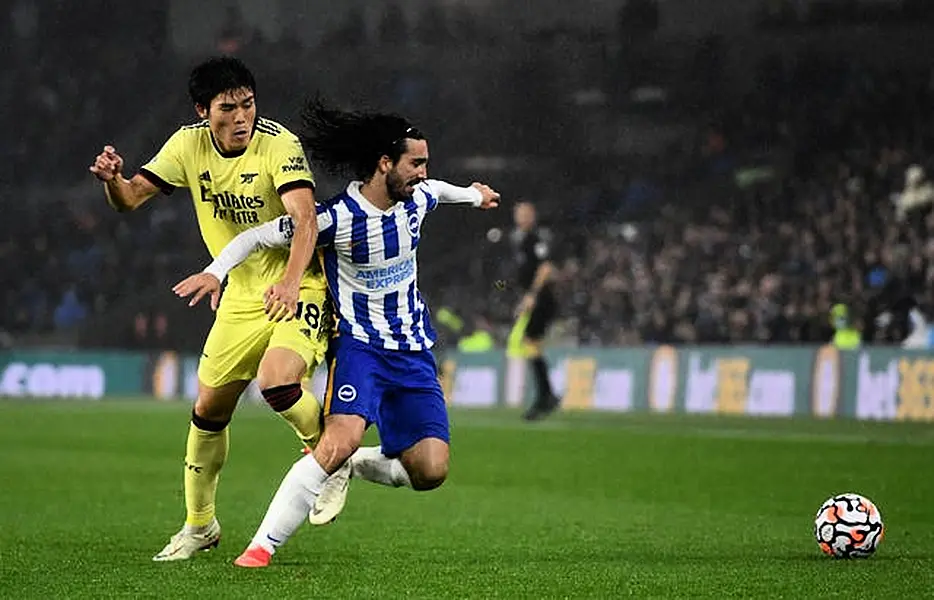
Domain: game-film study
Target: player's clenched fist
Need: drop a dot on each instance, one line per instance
(200, 284)
(107, 165)
(490, 196)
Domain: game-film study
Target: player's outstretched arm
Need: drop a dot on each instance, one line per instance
(273, 234)
(122, 194)
(478, 195)
(282, 298)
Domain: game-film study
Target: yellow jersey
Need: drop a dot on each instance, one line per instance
(233, 192)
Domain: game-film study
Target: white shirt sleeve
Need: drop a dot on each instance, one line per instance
(274, 234)
(452, 194)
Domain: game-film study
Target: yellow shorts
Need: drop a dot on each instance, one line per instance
(242, 333)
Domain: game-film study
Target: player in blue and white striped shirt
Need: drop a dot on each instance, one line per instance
(380, 369)
(370, 263)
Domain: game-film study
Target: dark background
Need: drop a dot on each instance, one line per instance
(715, 172)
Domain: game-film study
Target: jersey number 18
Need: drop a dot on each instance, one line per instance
(310, 312)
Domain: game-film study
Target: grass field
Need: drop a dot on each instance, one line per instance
(581, 506)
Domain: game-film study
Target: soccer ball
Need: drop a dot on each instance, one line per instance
(848, 526)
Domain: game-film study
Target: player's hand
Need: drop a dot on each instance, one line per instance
(201, 285)
(282, 301)
(107, 165)
(490, 196)
(525, 305)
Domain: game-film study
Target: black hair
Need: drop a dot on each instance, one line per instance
(218, 75)
(352, 143)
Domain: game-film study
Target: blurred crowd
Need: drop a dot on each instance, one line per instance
(769, 208)
(72, 267)
(847, 220)
(762, 254)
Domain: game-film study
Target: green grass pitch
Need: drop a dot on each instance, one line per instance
(584, 505)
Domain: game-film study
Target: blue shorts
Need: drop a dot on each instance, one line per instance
(396, 389)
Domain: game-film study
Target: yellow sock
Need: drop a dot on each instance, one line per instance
(205, 456)
(305, 418)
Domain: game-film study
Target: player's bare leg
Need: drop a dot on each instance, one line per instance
(206, 453)
(279, 377)
(301, 486)
(422, 467)
(427, 463)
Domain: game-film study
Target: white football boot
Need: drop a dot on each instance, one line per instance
(188, 541)
(333, 496)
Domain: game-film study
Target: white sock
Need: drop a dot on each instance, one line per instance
(291, 504)
(370, 464)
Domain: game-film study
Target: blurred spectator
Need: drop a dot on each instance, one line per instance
(846, 335)
(161, 339)
(70, 312)
(138, 334)
(917, 195)
(480, 338)
(234, 33)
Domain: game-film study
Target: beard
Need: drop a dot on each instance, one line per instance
(396, 186)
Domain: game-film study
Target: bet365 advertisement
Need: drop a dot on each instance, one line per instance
(878, 384)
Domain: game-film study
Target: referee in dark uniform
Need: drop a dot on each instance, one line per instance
(532, 251)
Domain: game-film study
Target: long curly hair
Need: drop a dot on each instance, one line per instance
(350, 142)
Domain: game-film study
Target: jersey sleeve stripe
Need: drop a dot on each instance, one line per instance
(166, 187)
(294, 185)
(266, 131)
(270, 125)
(390, 236)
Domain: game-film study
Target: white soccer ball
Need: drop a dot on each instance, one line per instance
(848, 526)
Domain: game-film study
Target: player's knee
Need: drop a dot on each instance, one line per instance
(210, 409)
(273, 379)
(429, 475)
(427, 463)
(280, 367)
(217, 404)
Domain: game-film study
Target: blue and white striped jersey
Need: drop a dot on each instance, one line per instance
(369, 261)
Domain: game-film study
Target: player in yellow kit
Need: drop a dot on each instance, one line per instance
(242, 170)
